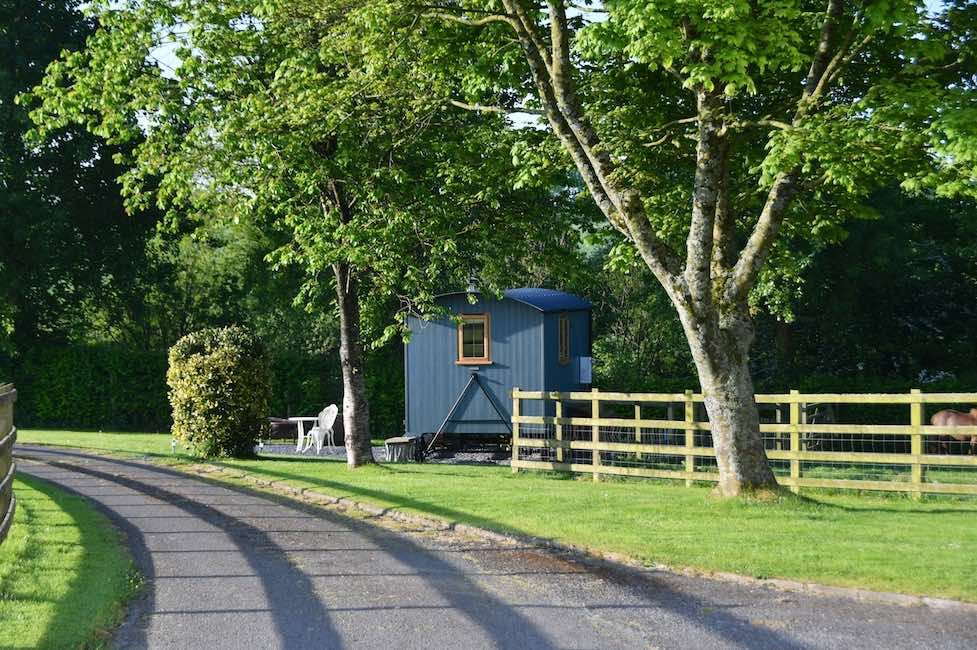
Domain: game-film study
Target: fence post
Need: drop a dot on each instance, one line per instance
(595, 431)
(637, 426)
(515, 429)
(916, 441)
(559, 430)
(689, 436)
(795, 440)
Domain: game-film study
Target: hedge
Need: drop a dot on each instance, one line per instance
(219, 381)
(92, 387)
(114, 388)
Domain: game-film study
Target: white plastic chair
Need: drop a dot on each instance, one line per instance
(322, 429)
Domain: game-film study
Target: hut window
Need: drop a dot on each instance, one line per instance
(564, 339)
(474, 339)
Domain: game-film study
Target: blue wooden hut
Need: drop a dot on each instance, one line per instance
(459, 374)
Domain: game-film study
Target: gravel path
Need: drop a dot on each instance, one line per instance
(497, 457)
(227, 568)
(327, 452)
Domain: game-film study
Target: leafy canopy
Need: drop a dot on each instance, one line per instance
(897, 105)
(311, 117)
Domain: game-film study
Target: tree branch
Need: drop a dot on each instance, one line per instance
(822, 56)
(766, 122)
(664, 138)
(841, 60)
(723, 226)
(823, 69)
(482, 108)
(531, 31)
(623, 209)
(470, 22)
(568, 103)
(764, 234)
(708, 168)
(587, 10)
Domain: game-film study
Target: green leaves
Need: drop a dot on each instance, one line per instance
(711, 43)
(219, 382)
(317, 120)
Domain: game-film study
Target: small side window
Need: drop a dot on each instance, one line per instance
(564, 339)
(474, 339)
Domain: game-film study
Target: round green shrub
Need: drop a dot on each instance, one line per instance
(219, 382)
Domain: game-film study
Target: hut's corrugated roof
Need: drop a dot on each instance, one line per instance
(545, 300)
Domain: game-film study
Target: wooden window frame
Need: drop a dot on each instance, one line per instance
(486, 321)
(563, 343)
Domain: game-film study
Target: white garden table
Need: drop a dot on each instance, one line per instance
(301, 427)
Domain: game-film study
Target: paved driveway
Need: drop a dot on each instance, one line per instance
(226, 568)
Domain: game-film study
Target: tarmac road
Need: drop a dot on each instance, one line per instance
(227, 568)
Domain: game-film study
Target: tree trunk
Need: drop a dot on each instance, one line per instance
(721, 351)
(356, 410)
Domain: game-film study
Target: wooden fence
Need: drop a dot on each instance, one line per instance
(666, 435)
(8, 435)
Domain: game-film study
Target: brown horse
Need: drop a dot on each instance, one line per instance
(951, 418)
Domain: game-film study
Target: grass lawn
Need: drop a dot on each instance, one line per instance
(64, 573)
(887, 543)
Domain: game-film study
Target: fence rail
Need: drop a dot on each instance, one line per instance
(8, 435)
(812, 439)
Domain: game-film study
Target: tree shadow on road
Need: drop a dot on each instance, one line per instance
(506, 625)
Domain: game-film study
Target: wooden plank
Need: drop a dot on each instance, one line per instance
(559, 430)
(7, 501)
(948, 459)
(636, 422)
(515, 428)
(884, 486)
(795, 439)
(7, 519)
(657, 398)
(916, 442)
(619, 471)
(867, 429)
(930, 430)
(620, 447)
(802, 456)
(948, 398)
(689, 435)
(8, 436)
(770, 398)
(850, 429)
(949, 488)
(769, 427)
(887, 486)
(880, 398)
(595, 434)
(626, 423)
(856, 457)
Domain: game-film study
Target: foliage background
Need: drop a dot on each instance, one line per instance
(91, 298)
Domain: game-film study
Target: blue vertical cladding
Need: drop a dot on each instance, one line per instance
(565, 376)
(524, 353)
(435, 380)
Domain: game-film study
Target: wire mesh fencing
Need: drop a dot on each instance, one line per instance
(846, 441)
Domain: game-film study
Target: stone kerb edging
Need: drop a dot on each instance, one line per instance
(584, 555)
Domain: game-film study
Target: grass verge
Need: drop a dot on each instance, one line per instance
(64, 572)
(883, 543)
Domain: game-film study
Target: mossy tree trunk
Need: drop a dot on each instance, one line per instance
(721, 352)
(356, 408)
